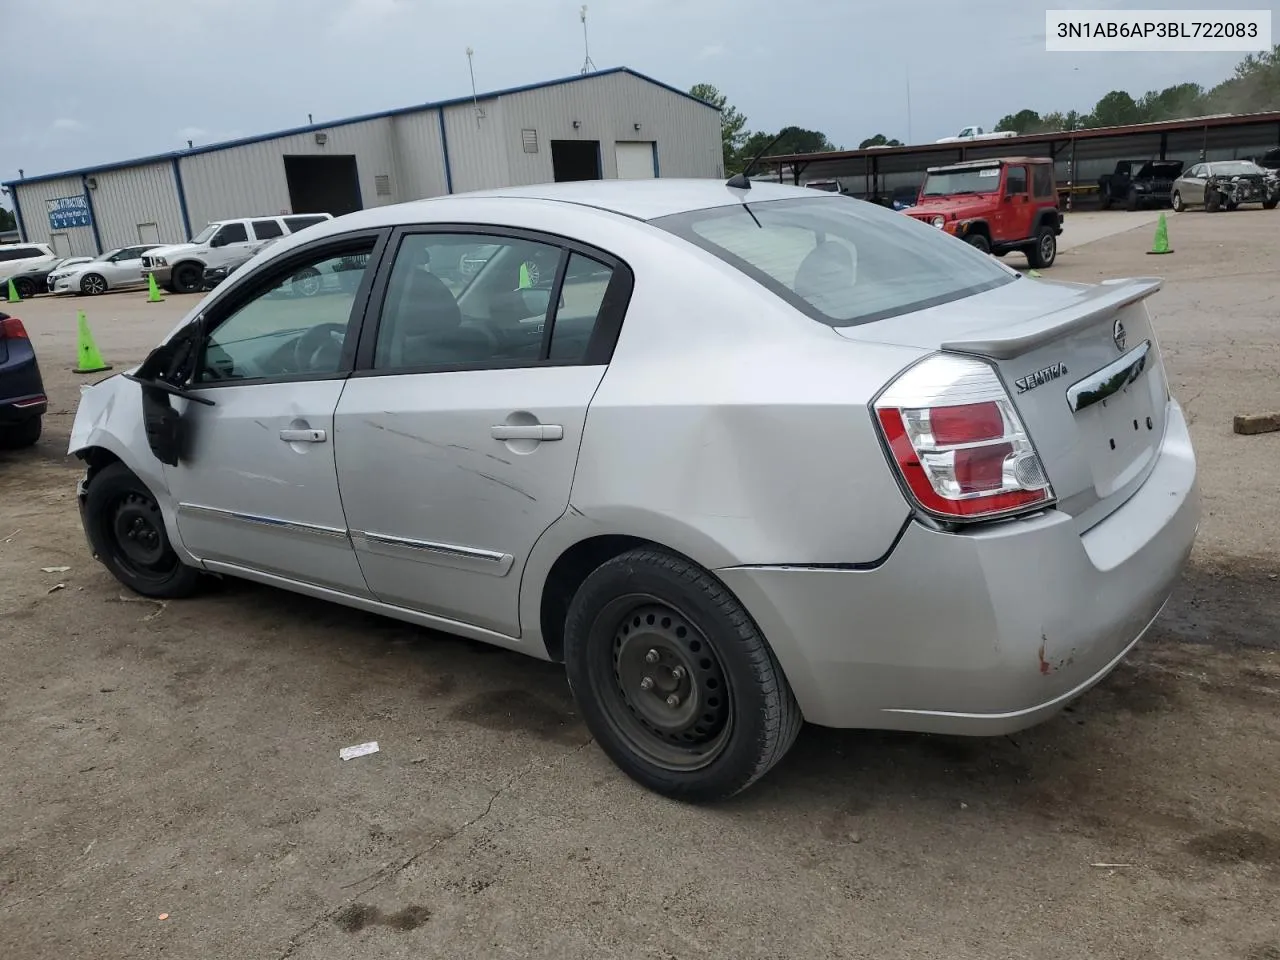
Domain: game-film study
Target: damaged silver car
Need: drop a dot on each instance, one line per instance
(1224, 185)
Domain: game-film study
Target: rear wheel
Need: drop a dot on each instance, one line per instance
(980, 241)
(1106, 196)
(306, 283)
(124, 523)
(674, 679)
(187, 277)
(1270, 204)
(23, 434)
(93, 284)
(1131, 201)
(25, 286)
(1044, 251)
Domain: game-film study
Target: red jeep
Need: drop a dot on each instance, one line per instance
(998, 205)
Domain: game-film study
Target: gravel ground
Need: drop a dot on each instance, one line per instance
(181, 760)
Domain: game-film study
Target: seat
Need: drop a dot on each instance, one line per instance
(428, 327)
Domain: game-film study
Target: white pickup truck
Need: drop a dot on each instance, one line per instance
(975, 132)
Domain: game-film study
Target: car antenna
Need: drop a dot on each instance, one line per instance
(740, 180)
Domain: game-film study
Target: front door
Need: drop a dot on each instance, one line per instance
(230, 245)
(458, 437)
(125, 268)
(256, 485)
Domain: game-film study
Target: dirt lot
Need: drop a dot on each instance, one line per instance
(182, 760)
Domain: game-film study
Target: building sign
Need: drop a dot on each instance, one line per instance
(67, 212)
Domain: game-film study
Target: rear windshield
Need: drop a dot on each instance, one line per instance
(839, 260)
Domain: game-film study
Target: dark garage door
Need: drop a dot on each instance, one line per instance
(323, 184)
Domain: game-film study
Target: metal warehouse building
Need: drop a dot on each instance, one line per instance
(612, 123)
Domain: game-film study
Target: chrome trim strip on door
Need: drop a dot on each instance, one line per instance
(493, 561)
(1110, 380)
(285, 526)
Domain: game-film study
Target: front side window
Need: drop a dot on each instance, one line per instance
(290, 327)
(465, 299)
(231, 233)
(842, 262)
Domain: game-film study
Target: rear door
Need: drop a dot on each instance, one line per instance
(458, 436)
(1016, 208)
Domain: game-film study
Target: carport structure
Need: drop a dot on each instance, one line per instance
(1080, 156)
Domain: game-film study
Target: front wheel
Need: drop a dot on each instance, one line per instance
(1044, 251)
(1213, 201)
(126, 528)
(674, 679)
(306, 282)
(93, 285)
(1131, 201)
(1270, 204)
(1178, 205)
(25, 286)
(979, 241)
(187, 278)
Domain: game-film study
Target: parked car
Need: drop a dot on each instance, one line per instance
(22, 397)
(747, 456)
(180, 267)
(998, 205)
(64, 264)
(975, 132)
(17, 259)
(1224, 185)
(117, 269)
(1269, 161)
(34, 279)
(1139, 183)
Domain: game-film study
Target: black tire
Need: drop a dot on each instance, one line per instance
(306, 282)
(1232, 205)
(979, 241)
(25, 286)
(124, 524)
(1106, 198)
(93, 284)
(737, 718)
(1270, 204)
(1044, 251)
(1212, 201)
(18, 435)
(1131, 201)
(1176, 202)
(187, 278)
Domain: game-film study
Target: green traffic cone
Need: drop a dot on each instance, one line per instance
(13, 293)
(153, 291)
(525, 282)
(90, 359)
(1161, 242)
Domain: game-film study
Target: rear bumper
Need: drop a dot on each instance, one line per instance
(22, 409)
(22, 395)
(985, 632)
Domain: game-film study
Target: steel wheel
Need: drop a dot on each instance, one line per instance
(664, 689)
(137, 534)
(1178, 206)
(25, 287)
(93, 285)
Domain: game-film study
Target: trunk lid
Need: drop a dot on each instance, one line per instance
(1082, 366)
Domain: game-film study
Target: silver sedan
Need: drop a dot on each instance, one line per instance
(742, 456)
(114, 270)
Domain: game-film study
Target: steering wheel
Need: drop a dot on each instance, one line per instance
(320, 348)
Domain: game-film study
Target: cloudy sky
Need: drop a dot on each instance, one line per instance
(90, 82)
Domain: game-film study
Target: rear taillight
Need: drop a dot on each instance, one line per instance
(958, 442)
(11, 328)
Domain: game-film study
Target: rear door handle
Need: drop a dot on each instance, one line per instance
(303, 436)
(532, 431)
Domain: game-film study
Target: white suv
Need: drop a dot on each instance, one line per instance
(180, 267)
(22, 258)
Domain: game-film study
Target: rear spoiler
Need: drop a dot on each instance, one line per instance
(1106, 298)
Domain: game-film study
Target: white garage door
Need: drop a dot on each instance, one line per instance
(635, 159)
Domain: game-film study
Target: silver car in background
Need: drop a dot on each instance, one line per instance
(114, 270)
(742, 457)
(1224, 185)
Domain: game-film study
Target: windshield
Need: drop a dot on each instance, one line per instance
(205, 235)
(1235, 169)
(839, 260)
(949, 183)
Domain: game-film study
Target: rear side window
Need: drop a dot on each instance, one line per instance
(21, 253)
(301, 223)
(267, 229)
(1042, 179)
(841, 261)
(1016, 181)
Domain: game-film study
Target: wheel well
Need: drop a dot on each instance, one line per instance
(97, 459)
(566, 576)
(1047, 218)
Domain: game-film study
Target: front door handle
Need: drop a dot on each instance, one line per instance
(531, 431)
(303, 436)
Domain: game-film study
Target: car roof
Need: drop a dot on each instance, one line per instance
(988, 162)
(640, 199)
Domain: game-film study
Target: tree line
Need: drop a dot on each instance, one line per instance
(1254, 87)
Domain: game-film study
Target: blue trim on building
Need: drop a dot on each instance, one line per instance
(444, 149)
(17, 215)
(93, 216)
(364, 118)
(654, 145)
(182, 199)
